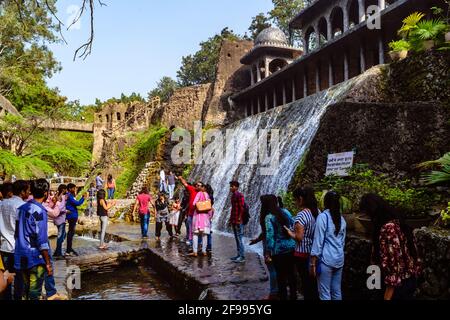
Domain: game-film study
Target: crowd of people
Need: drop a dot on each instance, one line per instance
(26, 256)
(311, 246)
(308, 246)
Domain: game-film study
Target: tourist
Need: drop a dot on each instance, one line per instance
(16, 193)
(280, 246)
(92, 192)
(183, 214)
(31, 255)
(303, 234)
(273, 282)
(394, 248)
(72, 205)
(236, 220)
(327, 253)
(162, 181)
(171, 182)
(60, 221)
(111, 186)
(210, 192)
(201, 223)
(162, 216)
(143, 203)
(190, 214)
(99, 181)
(175, 214)
(102, 212)
(6, 278)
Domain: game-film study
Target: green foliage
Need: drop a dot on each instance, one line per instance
(289, 202)
(200, 68)
(134, 158)
(441, 176)
(283, 12)
(164, 89)
(410, 24)
(399, 45)
(259, 23)
(23, 167)
(445, 216)
(65, 159)
(362, 180)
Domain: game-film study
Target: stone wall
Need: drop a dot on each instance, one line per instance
(184, 107)
(391, 138)
(434, 248)
(231, 77)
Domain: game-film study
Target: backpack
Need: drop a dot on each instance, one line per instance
(246, 215)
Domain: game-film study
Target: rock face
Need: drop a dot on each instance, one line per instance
(434, 248)
(184, 107)
(391, 138)
(231, 77)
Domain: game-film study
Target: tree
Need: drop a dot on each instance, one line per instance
(283, 12)
(259, 23)
(200, 67)
(164, 89)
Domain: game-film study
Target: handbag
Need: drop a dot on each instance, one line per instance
(203, 206)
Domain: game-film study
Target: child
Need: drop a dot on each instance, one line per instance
(162, 216)
(175, 214)
(92, 192)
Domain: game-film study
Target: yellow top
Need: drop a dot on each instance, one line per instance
(2, 268)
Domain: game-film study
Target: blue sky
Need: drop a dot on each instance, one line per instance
(139, 41)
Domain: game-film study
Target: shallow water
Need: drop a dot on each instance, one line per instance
(124, 283)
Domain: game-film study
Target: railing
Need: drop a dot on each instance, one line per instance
(79, 182)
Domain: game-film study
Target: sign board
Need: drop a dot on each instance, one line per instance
(339, 163)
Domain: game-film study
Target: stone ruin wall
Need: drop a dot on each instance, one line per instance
(231, 77)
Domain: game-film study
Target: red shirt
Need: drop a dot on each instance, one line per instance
(144, 200)
(192, 195)
(237, 208)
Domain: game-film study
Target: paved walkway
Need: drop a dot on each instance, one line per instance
(223, 279)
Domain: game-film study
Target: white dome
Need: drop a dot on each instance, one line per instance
(271, 36)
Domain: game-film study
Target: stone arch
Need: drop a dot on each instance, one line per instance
(277, 64)
(310, 39)
(119, 116)
(337, 22)
(353, 13)
(323, 31)
(107, 118)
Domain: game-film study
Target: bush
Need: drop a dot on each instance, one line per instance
(23, 167)
(362, 180)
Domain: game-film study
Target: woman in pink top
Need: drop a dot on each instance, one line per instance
(201, 223)
(111, 186)
(143, 203)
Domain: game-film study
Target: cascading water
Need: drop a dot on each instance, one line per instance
(297, 123)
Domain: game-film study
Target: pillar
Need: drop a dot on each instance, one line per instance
(346, 19)
(382, 4)
(346, 75)
(305, 84)
(259, 105)
(293, 90)
(284, 94)
(317, 78)
(252, 75)
(362, 10)
(266, 102)
(258, 73)
(362, 58)
(330, 74)
(305, 44)
(316, 30)
(381, 50)
(266, 68)
(329, 29)
(274, 97)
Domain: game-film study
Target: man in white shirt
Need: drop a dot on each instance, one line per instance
(162, 181)
(17, 193)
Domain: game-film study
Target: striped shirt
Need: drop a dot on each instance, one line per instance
(307, 220)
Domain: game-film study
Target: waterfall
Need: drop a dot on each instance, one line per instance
(298, 123)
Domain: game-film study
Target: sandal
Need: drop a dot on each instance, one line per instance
(193, 254)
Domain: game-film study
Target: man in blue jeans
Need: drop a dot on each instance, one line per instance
(236, 220)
